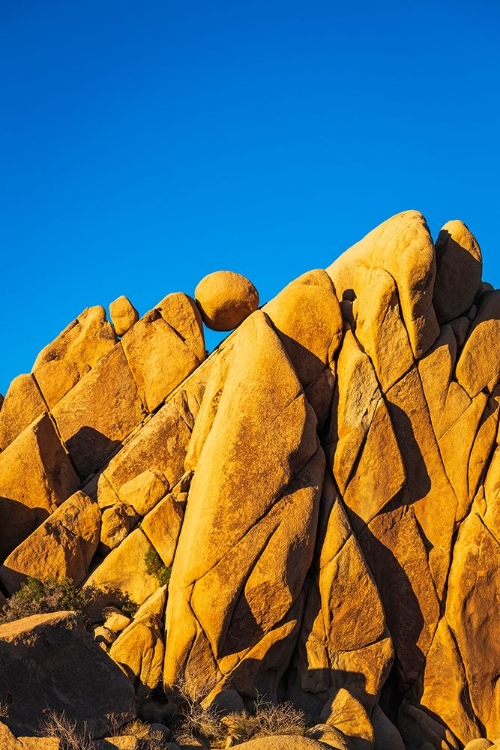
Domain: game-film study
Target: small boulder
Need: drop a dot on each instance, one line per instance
(117, 523)
(123, 315)
(228, 701)
(115, 620)
(104, 635)
(225, 299)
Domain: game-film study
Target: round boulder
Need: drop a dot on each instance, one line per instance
(225, 299)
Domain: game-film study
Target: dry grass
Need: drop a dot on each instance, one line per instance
(268, 719)
(149, 739)
(210, 726)
(71, 738)
(67, 732)
(193, 721)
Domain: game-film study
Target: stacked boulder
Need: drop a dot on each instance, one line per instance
(322, 490)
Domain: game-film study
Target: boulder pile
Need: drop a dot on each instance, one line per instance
(311, 513)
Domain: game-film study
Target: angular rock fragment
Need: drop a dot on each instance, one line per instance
(162, 526)
(36, 476)
(122, 576)
(139, 651)
(116, 523)
(57, 377)
(144, 491)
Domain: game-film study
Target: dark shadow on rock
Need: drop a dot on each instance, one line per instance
(417, 477)
(402, 609)
(17, 521)
(306, 364)
(107, 596)
(89, 449)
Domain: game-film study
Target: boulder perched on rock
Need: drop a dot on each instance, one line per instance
(225, 299)
(50, 661)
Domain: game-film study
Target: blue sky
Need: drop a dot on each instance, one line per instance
(146, 144)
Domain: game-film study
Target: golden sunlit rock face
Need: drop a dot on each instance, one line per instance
(312, 513)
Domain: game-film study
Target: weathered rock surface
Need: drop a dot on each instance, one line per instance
(84, 341)
(139, 651)
(50, 660)
(325, 487)
(225, 299)
(183, 315)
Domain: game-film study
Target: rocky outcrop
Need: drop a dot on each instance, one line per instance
(310, 513)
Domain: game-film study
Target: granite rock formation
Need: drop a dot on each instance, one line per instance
(323, 491)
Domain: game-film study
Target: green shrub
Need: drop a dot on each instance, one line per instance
(40, 596)
(156, 567)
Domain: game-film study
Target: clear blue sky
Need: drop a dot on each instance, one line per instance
(146, 144)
